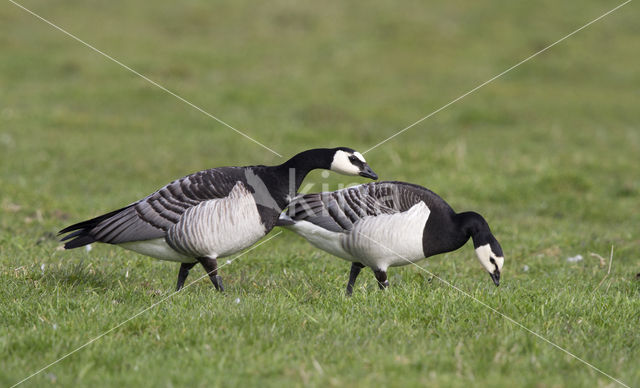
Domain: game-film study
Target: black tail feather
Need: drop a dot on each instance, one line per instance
(72, 235)
(79, 242)
(82, 230)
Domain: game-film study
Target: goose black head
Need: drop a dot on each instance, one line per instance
(488, 249)
(350, 162)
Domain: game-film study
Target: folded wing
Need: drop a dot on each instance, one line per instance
(338, 211)
(152, 216)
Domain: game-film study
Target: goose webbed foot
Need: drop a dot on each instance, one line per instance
(381, 277)
(211, 266)
(218, 283)
(355, 271)
(183, 273)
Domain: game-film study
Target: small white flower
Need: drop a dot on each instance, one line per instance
(88, 248)
(525, 268)
(237, 300)
(55, 326)
(126, 275)
(574, 259)
(42, 268)
(228, 261)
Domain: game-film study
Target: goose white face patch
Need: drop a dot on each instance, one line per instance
(485, 255)
(342, 165)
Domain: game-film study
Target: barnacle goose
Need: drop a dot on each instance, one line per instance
(387, 224)
(211, 213)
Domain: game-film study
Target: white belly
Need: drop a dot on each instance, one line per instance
(388, 240)
(378, 242)
(157, 248)
(322, 238)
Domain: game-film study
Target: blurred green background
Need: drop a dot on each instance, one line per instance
(548, 154)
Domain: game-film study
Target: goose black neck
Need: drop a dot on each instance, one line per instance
(474, 226)
(301, 164)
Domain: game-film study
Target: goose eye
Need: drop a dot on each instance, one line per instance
(352, 159)
(492, 261)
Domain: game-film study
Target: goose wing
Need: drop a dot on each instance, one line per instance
(338, 211)
(152, 216)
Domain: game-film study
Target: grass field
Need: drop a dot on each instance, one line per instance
(548, 154)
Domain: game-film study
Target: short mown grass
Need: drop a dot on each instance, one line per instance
(548, 154)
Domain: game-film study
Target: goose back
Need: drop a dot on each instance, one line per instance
(339, 210)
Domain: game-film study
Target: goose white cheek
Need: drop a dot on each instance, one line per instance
(485, 255)
(342, 165)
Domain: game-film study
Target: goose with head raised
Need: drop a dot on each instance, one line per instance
(212, 213)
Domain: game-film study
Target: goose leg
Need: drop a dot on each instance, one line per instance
(355, 271)
(381, 277)
(184, 272)
(210, 265)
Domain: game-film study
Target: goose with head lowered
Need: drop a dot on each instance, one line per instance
(388, 224)
(212, 213)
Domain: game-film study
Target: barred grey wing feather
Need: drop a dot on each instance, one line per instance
(338, 211)
(151, 217)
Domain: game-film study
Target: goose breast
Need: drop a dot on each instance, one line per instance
(388, 240)
(218, 227)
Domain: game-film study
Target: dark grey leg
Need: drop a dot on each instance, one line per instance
(381, 277)
(211, 266)
(355, 271)
(184, 272)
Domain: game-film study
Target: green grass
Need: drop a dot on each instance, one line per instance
(548, 154)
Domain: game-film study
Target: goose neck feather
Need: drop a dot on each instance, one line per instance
(304, 162)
